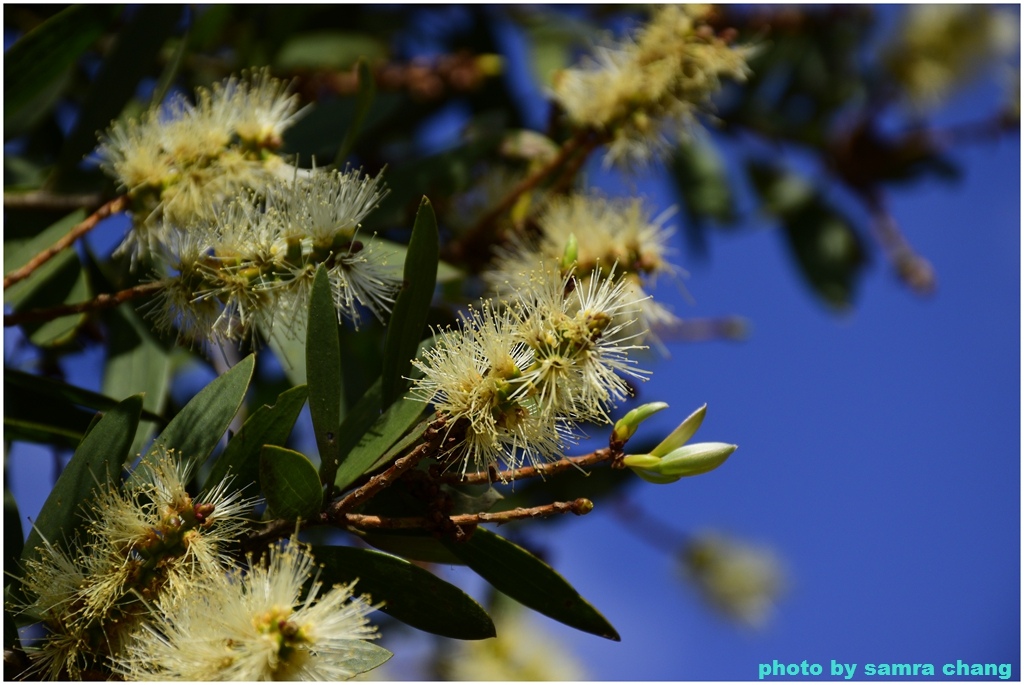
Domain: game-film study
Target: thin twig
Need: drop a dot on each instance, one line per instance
(44, 200)
(431, 438)
(470, 242)
(103, 301)
(484, 477)
(913, 269)
(579, 507)
(116, 205)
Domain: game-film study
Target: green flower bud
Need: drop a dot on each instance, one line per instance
(628, 424)
(681, 434)
(693, 460)
(571, 253)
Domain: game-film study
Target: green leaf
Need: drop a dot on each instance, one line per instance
(409, 316)
(60, 280)
(364, 99)
(95, 464)
(49, 390)
(45, 53)
(290, 349)
(136, 362)
(266, 426)
(411, 545)
(385, 432)
(137, 46)
(195, 431)
(362, 656)
(528, 580)
(703, 183)
(14, 538)
(323, 373)
(289, 483)
(333, 50)
(446, 273)
(410, 594)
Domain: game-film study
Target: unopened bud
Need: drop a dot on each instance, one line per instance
(628, 424)
(681, 434)
(571, 253)
(693, 460)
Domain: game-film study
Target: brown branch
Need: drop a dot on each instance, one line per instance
(563, 464)
(579, 507)
(432, 437)
(103, 301)
(913, 269)
(116, 205)
(44, 200)
(473, 240)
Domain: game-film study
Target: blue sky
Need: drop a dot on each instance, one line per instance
(879, 450)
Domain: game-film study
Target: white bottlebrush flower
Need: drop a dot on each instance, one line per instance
(578, 333)
(260, 107)
(647, 89)
(254, 626)
(472, 376)
(736, 578)
(606, 233)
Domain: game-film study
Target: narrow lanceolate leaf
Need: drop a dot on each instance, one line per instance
(528, 580)
(409, 316)
(95, 464)
(323, 374)
(266, 426)
(43, 55)
(410, 594)
(195, 431)
(59, 281)
(289, 483)
(385, 432)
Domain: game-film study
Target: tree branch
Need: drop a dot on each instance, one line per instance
(44, 200)
(116, 205)
(103, 301)
(485, 477)
(579, 507)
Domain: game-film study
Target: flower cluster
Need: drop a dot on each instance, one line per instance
(236, 233)
(151, 591)
(648, 88)
(594, 234)
(256, 626)
(147, 539)
(939, 47)
(518, 380)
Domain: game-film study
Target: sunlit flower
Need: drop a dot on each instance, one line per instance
(646, 90)
(257, 625)
(471, 376)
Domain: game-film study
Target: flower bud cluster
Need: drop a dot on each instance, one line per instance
(594, 234)
(236, 233)
(518, 380)
(647, 89)
(151, 591)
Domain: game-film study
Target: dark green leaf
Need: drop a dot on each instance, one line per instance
(289, 483)
(412, 545)
(60, 280)
(49, 390)
(323, 367)
(702, 182)
(409, 316)
(48, 51)
(136, 362)
(95, 464)
(374, 443)
(410, 594)
(364, 99)
(266, 426)
(137, 46)
(528, 580)
(14, 538)
(195, 431)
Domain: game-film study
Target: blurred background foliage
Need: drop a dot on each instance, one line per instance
(443, 97)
